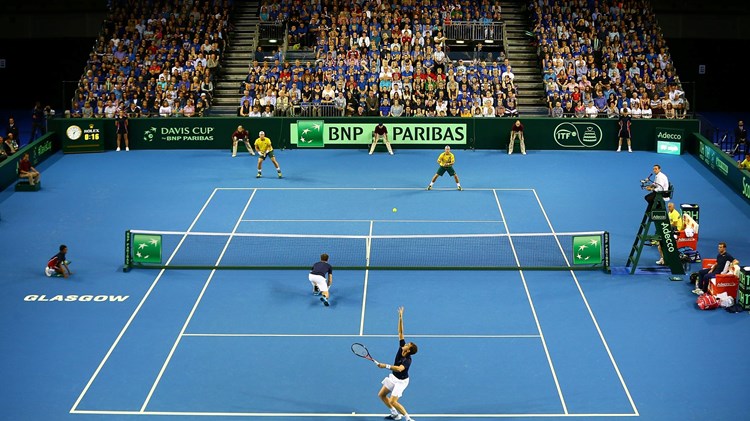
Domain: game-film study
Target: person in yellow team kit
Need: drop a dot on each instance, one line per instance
(265, 150)
(446, 161)
(675, 220)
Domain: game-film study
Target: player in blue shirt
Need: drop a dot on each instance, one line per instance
(321, 277)
(398, 379)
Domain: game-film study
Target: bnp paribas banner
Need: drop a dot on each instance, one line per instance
(318, 133)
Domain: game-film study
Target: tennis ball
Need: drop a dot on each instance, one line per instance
(395, 210)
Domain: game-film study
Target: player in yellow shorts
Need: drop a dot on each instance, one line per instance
(265, 150)
(446, 161)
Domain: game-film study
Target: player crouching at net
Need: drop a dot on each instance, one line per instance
(398, 380)
(244, 136)
(321, 277)
(58, 265)
(265, 150)
(446, 161)
(380, 132)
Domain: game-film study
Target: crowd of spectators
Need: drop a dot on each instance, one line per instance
(374, 58)
(602, 57)
(154, 58)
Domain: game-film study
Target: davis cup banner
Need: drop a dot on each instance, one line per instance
(318, 133)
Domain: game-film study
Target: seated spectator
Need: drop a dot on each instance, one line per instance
(244, 110)
(669, 111)
(579, 110)
(591, 110)
(745, 165)
(646, 109)
(557, 111)
(612, 111)
(255, 111)
(189, 109)
(165, 110)
(8, 145)
(25, 170)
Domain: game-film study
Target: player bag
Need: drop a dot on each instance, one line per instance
(707, 302)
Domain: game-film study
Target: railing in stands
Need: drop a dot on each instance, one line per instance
(474, 31)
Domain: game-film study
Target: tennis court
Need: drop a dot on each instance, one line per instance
(256, 344)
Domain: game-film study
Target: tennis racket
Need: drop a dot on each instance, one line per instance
(361, 351)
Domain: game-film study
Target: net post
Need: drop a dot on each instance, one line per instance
(128, 259)
(605, 241)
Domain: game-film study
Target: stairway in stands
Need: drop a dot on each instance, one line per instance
(523, 58)
(237, 58)
(520, 50)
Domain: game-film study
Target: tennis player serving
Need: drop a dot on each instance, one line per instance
(398, 380)
(446, 161)
(265, 150)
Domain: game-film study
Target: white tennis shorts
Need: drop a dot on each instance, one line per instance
(318, 281)
(395, 385)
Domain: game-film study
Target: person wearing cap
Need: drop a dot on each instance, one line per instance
(265, 150)
(380, 132)
(446, 161)
(241, 134)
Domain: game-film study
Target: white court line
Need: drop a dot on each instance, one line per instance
(138, 308)
(348, 335)
(533, 311)
(367, 277)
(195, 307)
(366, 188)
(591, 314)
(379, 415)
(442, 221)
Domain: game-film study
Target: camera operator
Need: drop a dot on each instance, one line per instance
(660, 185)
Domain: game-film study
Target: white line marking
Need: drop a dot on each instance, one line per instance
(138, 308)
(342, 415)
(367, 277)
(593, 317)
(195, 306)
(533, 312)
(347, 335)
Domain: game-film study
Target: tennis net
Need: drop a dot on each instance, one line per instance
(207, 250)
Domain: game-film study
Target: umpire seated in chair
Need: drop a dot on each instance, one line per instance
(660, 186)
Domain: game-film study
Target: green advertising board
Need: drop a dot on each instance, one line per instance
(541, 133)
(669, 148)
(38, 151)
(83, 135)
(669, 140)
(587, 249)
(724, 166)
(318, 133)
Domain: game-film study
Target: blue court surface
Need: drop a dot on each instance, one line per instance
(256, 344)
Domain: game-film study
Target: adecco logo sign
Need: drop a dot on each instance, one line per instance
(577, 135)
(674, 135)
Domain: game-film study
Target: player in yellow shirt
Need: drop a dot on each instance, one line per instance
(446, 161)
(265, 150)
(675, 220)
(745, 165)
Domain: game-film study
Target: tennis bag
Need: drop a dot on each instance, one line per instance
(707, 302)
